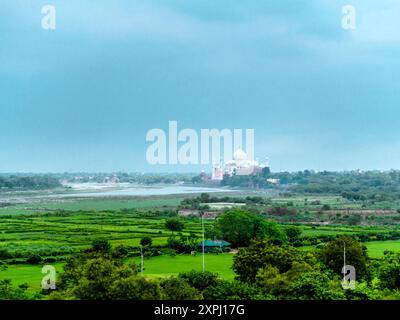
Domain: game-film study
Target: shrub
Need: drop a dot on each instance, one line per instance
(35, 259)
(178, 289)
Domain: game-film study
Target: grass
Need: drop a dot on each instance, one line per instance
(62, 233)
(26, 273)
(92, 205)
(166, 265)
(376, 249)
(160, 266)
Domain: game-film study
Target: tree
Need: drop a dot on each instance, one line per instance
(120, 251)
(101, 245)
(8, 292)
(239, 227)
(389, 271)
(266, 172)
(178, 289)
(146, 241)
(258, 255)
(272, 281)
(278, 284)
(315, 285)
(183, 243)
(99, 276)
(199, 280)
(356, 255)
(174, 224)
(234, 290)
(204, 198)
(135, 288)
(34, 259)
(293, 233)
(4, 254)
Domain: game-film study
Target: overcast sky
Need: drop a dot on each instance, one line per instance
(82, 97)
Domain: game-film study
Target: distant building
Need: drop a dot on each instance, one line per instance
(240, 165)
(273, 181)
(212, 245)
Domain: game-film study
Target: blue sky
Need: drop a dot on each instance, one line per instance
(82, 97)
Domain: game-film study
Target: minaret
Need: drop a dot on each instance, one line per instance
(266, 162)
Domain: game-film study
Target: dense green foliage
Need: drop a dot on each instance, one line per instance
(332, 255)
(8, 292)
(353, 185)
(22, 182)
(239, 227)
(174, 224)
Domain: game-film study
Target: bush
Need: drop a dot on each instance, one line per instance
(146, 241)
(199, 280)
(178, 289)
(100, 245)
(174, 224)
(314, 285)
(35, 259)
(120, 251)
(50, 260)
(4, 254)
(234, 290)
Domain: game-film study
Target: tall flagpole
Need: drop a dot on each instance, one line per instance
(141, 260)
(344, 261)
(202, 226)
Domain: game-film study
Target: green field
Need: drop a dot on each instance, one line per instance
(160, 266)
(376, 249)
(65, 232)
(30, 274)
(92, 204)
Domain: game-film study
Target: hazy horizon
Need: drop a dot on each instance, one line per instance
(174, 172)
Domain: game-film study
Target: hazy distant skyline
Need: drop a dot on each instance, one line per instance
(82, 97)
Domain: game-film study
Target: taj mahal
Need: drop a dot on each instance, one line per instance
(240, 165)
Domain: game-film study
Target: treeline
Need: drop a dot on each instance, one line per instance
(352, 185)
(123, 177)
(201, 201)
(34, 182)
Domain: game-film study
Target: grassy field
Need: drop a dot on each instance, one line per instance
(161, 266)
(340, 230)
(101, 204)
(30, 274)
(377, 248)
(62, 233)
